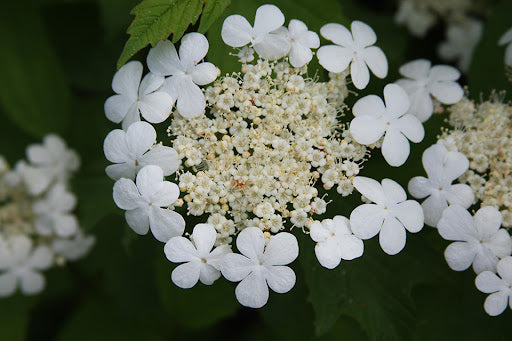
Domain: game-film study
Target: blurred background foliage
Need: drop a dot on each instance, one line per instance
(57, 59)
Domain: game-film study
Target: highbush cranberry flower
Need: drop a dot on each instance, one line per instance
(500, 287)
(301, 43)
(354, 49)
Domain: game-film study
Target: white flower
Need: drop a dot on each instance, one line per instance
(50, 162)
(355, 49)
(133, 149)
(423, 81)
(461, 40)
(185, 70)
(53, 213)
(442, 167)
(238, 32)
(260, 266)
(246, 54)
(134, 97)
(374, 119)
(200, 262)
(74, 248)
(20, 264)
(499, 288)
(479, 239)
(390, 216)
(505, 39)
(335, 241)
(301, 43)
(143, 203)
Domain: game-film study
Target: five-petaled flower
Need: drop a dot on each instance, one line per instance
(499, 288)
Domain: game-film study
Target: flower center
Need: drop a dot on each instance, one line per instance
(203, 260)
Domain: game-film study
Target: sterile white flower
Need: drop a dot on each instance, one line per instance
(20, 265)
(261, 265)
(505, 39)
(269, 44)
(53, 213)
(133, 149)
(143, 201)
(335, 241)
(461, 40)
(49, 162)
(499, 288)
(200, 262)
(301, 43)
(373, 119)
(390, 216)
(135, 97)
(442, 167)
(185, 70)
(479, 239)
(355, 49)
(424, 80)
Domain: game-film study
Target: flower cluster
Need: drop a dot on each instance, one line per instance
(253, 151)
(37, 226)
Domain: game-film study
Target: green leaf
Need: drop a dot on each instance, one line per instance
(487, 70)
(33, 88)
(196, 308)
(156, 20)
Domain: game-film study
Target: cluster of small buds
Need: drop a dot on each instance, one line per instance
(271, 134)
(484, 134)
(37, 226)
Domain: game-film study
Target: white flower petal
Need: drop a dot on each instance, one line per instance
(204, 236)
(300, 55)
(208, 274)
(251, 242)
(156, 107)
(165, 224)
(444, 73)
(268, 18)
(392, 236)
(506, 37)
(485, 260)
(252, 291)
(496, 303)
(397, 100)
(115, 147)
(236, 267)
(126, 195)
(508, 55)
(410, 214)
(366, 220)
(280, 279)
(417, 69)
(359, 73)
(204, 73)
(193, 49)
(282, 249)
(420, 187)
(162, 156)
(505, 269)
(447, 92)
(216, 257)
(338, 34)
(460, 255)
(132, 116)
(487, 282)
(180, 249)
(500, 244)
(393, 192)
(121, 170)
(186, 275)
(318, 232)
(395, 148)
(362, 33)
(191, 102)
(127, 78)
(328, 253)
(309, 39)
(421, 104)
(376, 61)
(334, 58)
(117, 106)
(366, 129)
(456, 224)
(370, 188)
(149, 180)
(433, 208)
(8, 283)
(138, 220)
(31, 282)
(371, 105)
(273, 46)
(351, 247)
(411, 127)
(236, 31)
(163, 59)
(459, 194)
(150, 83)
(139, 137)
(487, 221)
(166, 195)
